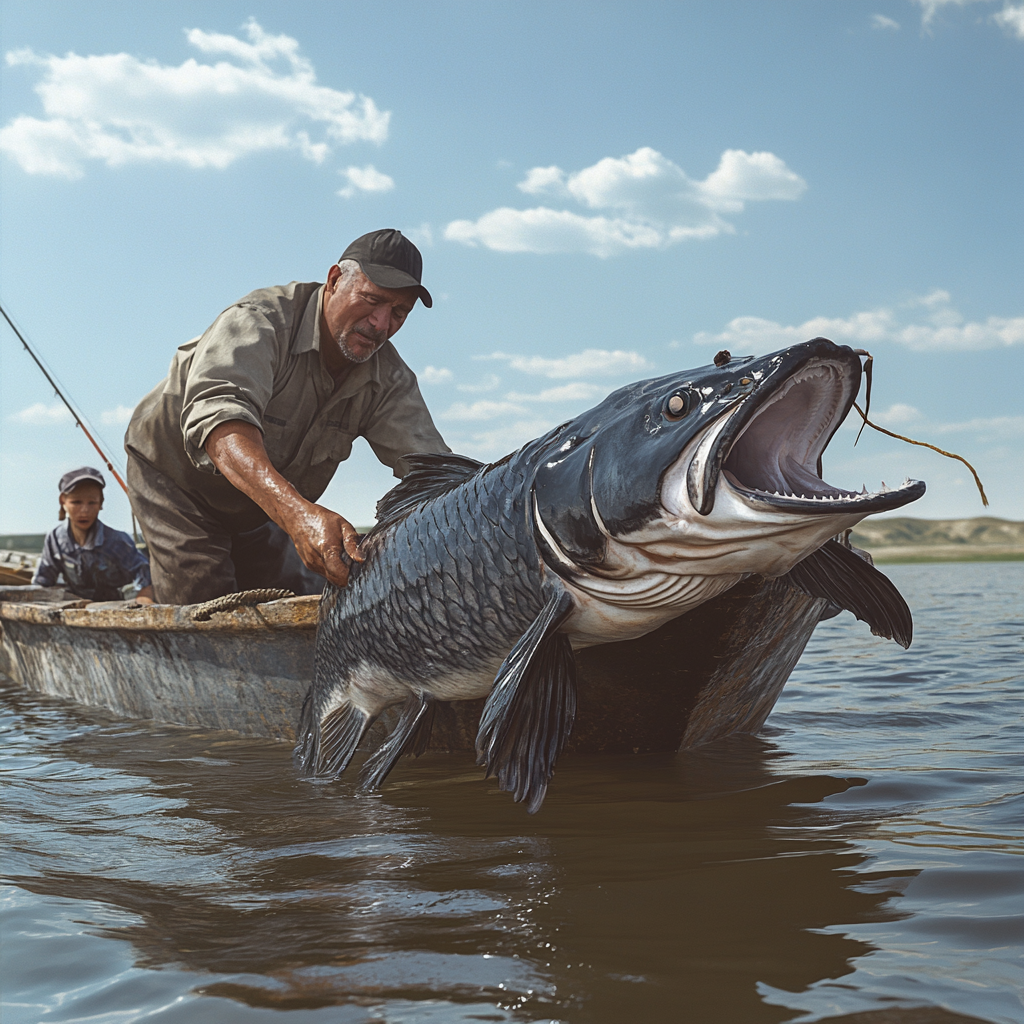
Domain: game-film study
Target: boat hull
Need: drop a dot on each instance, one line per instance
(714, 671)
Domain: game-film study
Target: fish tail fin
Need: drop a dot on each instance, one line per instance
(841, 576)
(409, 736)
(327, 742)
(531, 708)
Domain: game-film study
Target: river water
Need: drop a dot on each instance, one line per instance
(859, 860)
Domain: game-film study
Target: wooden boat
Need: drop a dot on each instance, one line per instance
(714, 671)
(16, 568)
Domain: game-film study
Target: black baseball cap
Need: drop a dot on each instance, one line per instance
(77, 476)
(390, 260)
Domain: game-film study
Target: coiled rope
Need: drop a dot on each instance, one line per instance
(229, 602)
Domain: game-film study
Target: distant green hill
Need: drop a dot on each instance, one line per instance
(941, 540)
(30, 543)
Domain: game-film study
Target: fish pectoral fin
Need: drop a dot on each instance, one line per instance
(410, 735)
(326, 745)
(430, 476)
(531, 708)
(841, 576)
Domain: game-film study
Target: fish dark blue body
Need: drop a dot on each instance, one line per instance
(480, 580)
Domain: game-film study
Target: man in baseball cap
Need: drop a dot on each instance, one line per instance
(228, 455)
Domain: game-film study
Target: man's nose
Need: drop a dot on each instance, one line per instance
(380, 318)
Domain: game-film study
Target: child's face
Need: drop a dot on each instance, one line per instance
(82, 504)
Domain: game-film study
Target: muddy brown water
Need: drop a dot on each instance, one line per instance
(859, 861)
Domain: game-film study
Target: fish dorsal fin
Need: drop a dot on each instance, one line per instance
(531, 708)
(430, 477)
(841, 576)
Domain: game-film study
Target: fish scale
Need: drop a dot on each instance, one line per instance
(446, 605)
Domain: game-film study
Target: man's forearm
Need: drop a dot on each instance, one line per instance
(320, 535)
(236, 449)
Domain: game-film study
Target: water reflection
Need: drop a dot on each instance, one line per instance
(648, 888)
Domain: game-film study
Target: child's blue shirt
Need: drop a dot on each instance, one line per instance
(95, 570)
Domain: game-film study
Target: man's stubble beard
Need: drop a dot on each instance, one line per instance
(377, 337)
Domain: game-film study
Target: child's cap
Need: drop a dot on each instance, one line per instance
(77, 476)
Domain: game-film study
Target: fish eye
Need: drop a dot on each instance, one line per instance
(678, 405)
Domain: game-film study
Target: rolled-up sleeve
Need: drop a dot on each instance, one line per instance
(231, 377)
(400, 423)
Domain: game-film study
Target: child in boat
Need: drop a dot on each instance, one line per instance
(95, 561)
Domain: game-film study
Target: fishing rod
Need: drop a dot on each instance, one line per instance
(57, 391)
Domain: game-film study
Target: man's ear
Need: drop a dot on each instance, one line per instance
(332, 277)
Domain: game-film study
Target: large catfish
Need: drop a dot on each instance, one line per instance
(480, 580)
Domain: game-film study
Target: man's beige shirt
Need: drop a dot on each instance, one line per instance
(260, 362)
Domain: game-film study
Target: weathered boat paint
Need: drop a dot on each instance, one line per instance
(244, 670)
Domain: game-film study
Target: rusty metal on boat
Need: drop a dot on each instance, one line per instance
(714, 671)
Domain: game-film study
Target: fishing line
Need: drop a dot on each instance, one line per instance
(78, 419)
(869, 359)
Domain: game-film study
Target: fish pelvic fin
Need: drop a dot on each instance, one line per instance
(410, 735)
(430, 477)
(841, 576)
(531, 708)
(326, 744)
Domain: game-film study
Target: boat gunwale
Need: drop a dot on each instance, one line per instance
(284, 614)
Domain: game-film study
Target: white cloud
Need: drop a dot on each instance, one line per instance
(118, 416)
(436, 375)
(481, 410)
(1011, 19)
(544, 179)
(514, 403)
(40, 415)
(741, 176)
(489, 383)
(929, 8)
(908, 419)
(943, 329)
(880, 21)
(492, 444)
(421, 236)
(589, 363)
(896, 415)
(365, 179)
(577, 391)
(650, 202)
(990, 428)
(117, 109)
(543, 230)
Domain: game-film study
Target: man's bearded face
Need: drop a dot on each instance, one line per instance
(360, 341)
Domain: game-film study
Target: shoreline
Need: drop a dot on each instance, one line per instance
(917, 554)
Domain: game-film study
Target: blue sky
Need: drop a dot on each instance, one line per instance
(601, 191)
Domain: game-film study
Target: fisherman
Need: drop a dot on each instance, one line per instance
(228, 455)
(95, 561)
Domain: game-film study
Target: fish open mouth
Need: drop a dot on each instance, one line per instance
(769, 447)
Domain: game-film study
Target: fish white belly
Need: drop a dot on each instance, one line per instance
(371, 687)
(608, 610)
